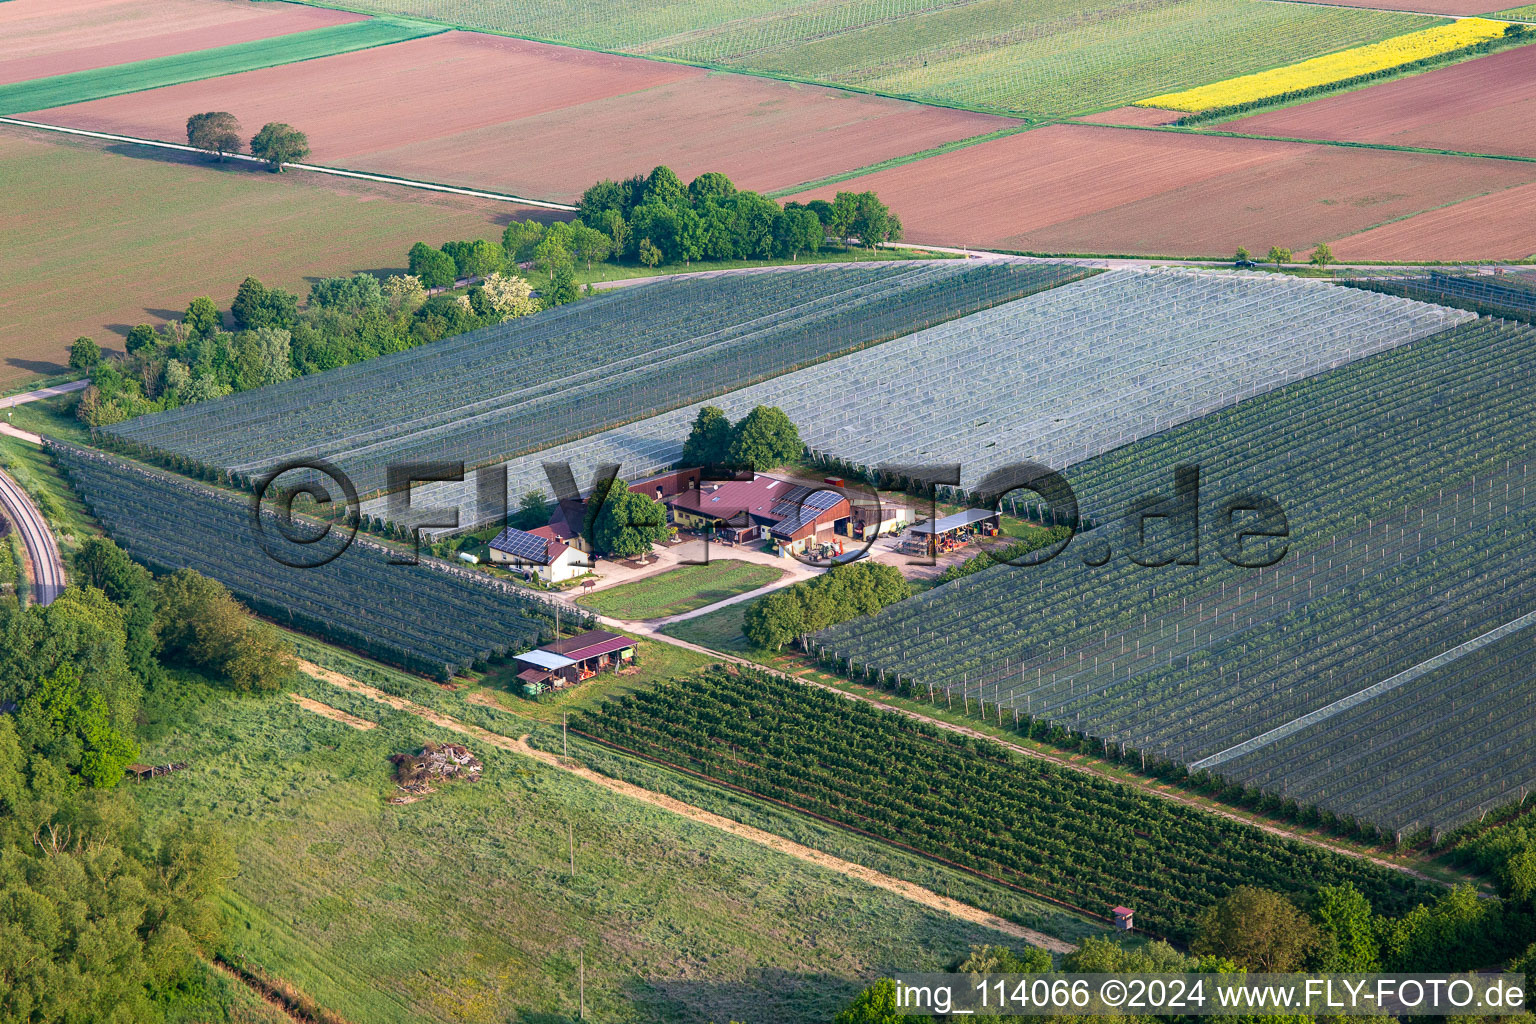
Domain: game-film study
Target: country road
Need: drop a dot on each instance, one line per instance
(42, 548)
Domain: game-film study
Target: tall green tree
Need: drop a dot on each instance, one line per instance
(432, 267)
(623, 524)
(102, 564)
(663, 186)
(774, 620)
(141, 337)
(589, 244)
(765, 438)
(709, 441)
(202, 317)
(710, 185)
(216, 132)
(279, 144)
(519, 239)
(875, 1005)
(1257, 928)
(84, 354)
(1347, 931)
(201, 625)
(256, 306)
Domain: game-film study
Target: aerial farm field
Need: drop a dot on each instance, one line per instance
(1487, 105)
(557, 120)
(462, 906)
(1493, 226)
(1040, 59)
(39, 38)
(1449, 8)
(157, 233)
(1174, 194)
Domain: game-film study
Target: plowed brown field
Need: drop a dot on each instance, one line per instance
(39, 38)
(544, 121)
(1497, 226)
(1077, 188)
(1487, 105)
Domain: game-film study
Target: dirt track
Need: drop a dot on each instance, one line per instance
(915, 893)
(334, 714)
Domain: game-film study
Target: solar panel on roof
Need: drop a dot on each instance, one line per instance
(520, 544)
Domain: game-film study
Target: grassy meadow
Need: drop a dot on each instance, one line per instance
(1042, 58)
(462, 907)
(681, 590)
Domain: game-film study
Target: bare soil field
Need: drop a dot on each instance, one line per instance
(1450, 8)
(1487, 105)
(39, 38)
(544, 121)
(1497, 226)
(98, 241)
(1076, 188)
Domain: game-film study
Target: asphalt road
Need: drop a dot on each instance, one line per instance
(42, 548)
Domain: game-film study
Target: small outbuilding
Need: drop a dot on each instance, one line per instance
(1124, 918)
(952, 531)
(539, 553)
(573, 659)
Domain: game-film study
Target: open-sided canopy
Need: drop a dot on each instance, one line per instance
(954, 522)
(545, 660)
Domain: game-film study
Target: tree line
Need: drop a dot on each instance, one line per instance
(101, 921)
(218, 132)
(841, 593)
(1257, 930)
(654, 220)
(344, 320)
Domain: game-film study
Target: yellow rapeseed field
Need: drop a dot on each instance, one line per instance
(1335, 67)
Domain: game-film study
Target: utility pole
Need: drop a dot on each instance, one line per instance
(565, 737)
(581, 983)
(571, 837)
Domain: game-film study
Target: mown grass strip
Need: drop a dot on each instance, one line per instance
(158, 72)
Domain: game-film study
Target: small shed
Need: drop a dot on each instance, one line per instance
(1124, 918)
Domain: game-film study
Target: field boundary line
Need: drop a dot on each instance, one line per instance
(898, 161)
(339, 172)
(1327, 711)
(760, 837)
(1337, 143)
(423, 29)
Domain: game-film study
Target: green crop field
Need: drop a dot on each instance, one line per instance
(157, 72)
(1526, 13)
(681, 590)
(1044, 58)
(461, 906)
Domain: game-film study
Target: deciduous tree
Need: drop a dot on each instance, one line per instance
(216, 132)
(709, 442)
(623, 524)
(765, 438)
(1257, 928)
(84, 354)
(279, 144)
